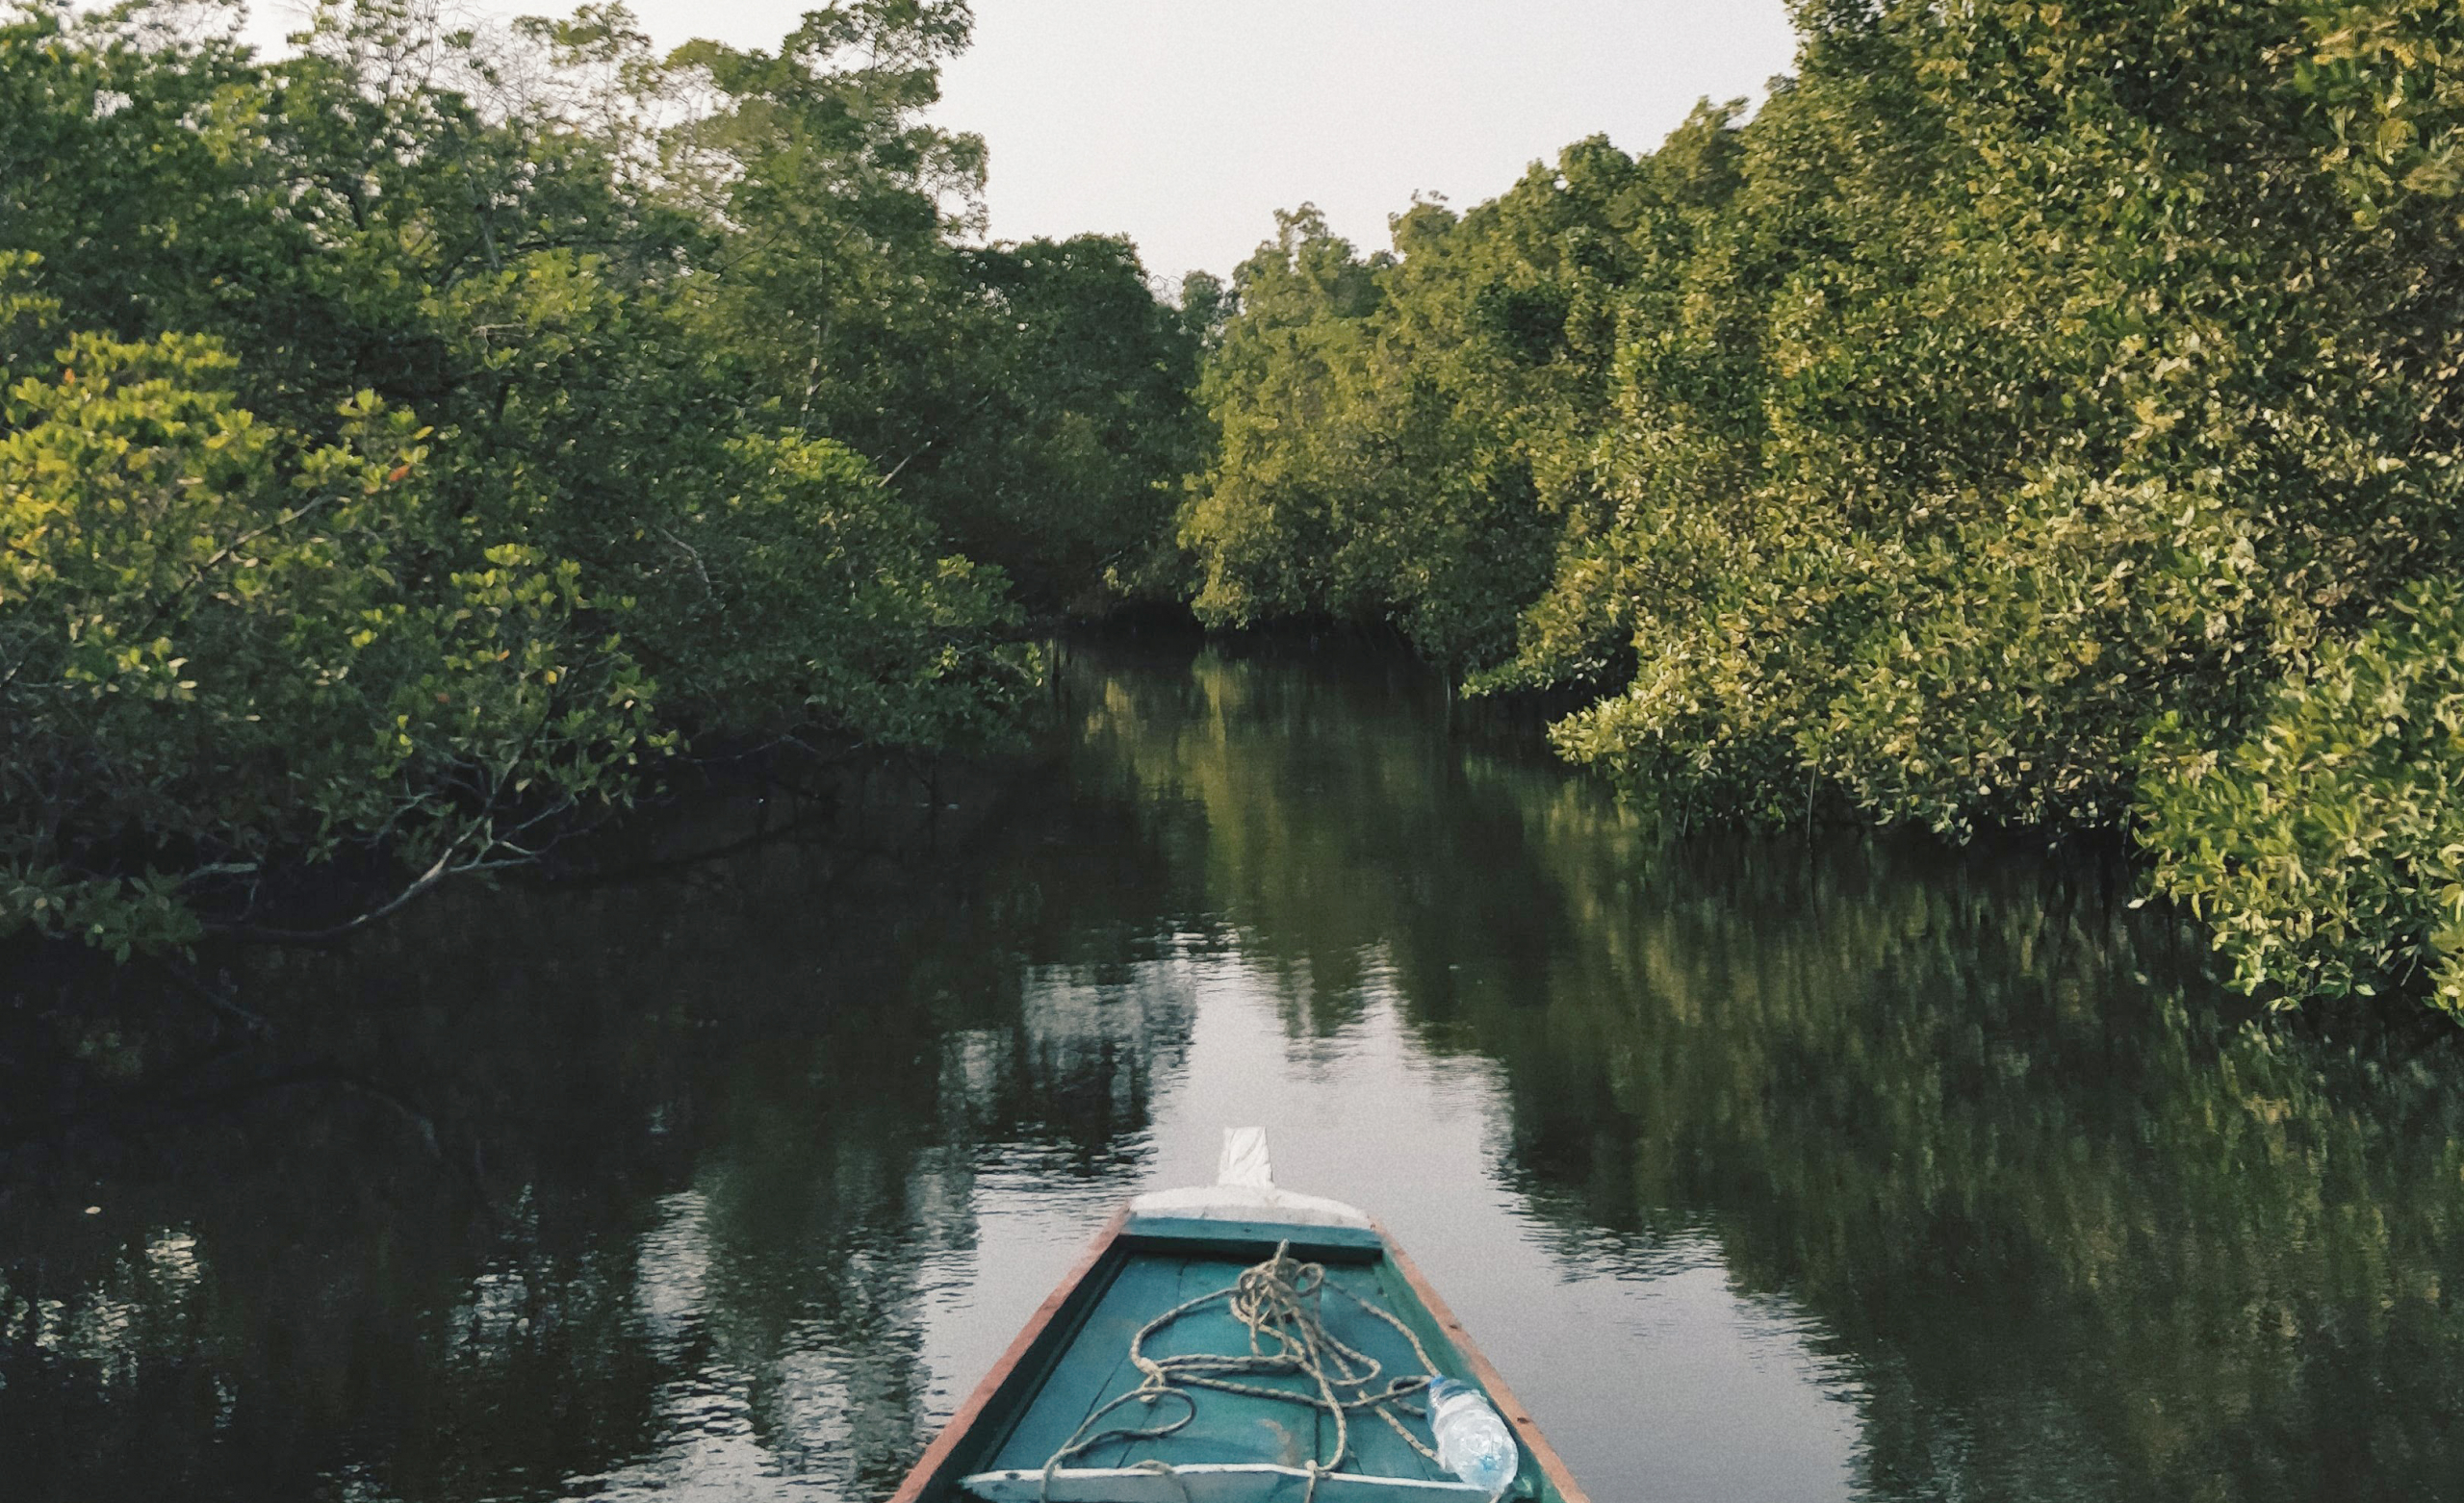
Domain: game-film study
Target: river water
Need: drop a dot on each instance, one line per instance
(1765, 1170)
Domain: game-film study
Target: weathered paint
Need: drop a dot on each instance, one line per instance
(1073, 1356)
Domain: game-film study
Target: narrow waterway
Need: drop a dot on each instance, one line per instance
(1764, 1170)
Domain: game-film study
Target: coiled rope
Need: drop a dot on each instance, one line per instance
(1282, 1301)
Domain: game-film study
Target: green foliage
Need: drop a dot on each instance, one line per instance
(1085, 425)
(2020, 378)
(2390, 77)
(2052, 426)
(224, 648)
(721, 433)
(1363, 470)
(1032, 399)
(2328, 847)
(808, 593)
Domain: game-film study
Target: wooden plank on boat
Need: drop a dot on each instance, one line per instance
(1216, 1426)
(940, 1460)
(1214, 1234)
(1145, 1287)
(1237, 1483)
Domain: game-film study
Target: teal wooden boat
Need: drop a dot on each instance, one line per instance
(1229, 1343)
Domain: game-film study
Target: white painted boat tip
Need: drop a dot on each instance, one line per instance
(1244, 1191)
(1245, 1160)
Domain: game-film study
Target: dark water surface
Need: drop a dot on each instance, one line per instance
(1765, 1171)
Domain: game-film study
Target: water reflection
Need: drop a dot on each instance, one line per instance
(1766, 1171)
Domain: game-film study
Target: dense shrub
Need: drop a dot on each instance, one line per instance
(2019, 379)
(2326, 847)
(412, 440)
(225, 648)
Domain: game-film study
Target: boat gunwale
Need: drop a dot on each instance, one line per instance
(939, 1462)
(1511, 1409)
(939, 1457)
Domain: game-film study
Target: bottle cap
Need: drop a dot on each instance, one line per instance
(1440, 1389)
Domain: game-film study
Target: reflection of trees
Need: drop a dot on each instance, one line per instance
(2085, 1233)
(2077, 1230)
(607, 1187)
(2080, 1227)
(1333, 816)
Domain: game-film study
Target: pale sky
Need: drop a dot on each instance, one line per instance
(1186, 123)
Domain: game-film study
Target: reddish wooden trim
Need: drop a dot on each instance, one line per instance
(1524, 1427)
(937, 1457)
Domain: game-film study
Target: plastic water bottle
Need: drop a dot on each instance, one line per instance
(1471, 1441)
